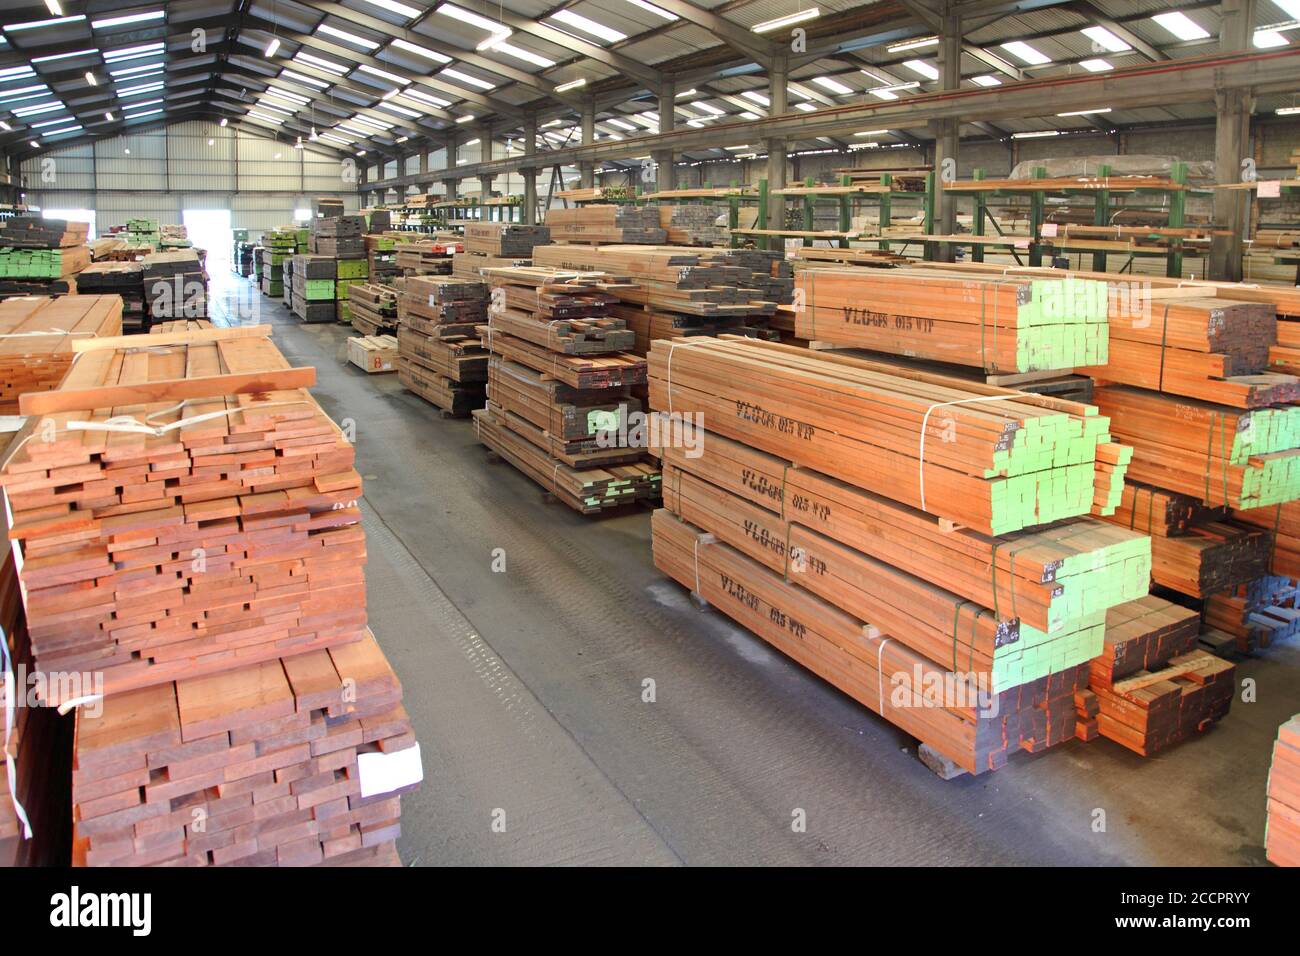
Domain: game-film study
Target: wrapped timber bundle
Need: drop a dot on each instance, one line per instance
(271, 764)
(425, 258)
(1282, 832)
(125, 279)
(504, 239)
(440, 357)
(373, 308)
(999, 324)
(1153, 687)
(1223, 456)
(170, 547)
(37, 336)
(175, 286)
(614, 223)
(338, 237)
(987, 458)
(692, 225)
(313, 285)
(569, 435)
(1253, 615)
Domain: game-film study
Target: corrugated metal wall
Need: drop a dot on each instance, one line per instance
(191, 165)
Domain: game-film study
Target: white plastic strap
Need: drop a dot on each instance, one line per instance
(11, 770)
(129, 424)
(68, 705)
(697, 567)
(672, 347)
(880, 674)
(926, 421)
(23, 335)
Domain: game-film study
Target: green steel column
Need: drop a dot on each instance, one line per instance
(928, 200)
(1101, 217)
(1037, 210)
(981, 210)
(886, 207)
(1177, 219)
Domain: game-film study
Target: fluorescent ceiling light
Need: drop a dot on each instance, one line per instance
(1105, 39)
(400, 139)
(336, 139)
(299, 78)
(393, 107)
(1101, 109)
(16, 73)
(873, 132)
(286, 95)
(22, 91)
(1096, 66)
(1288, 111)
(1267, 39)
(896, 87)
(1025, 53)
(806, 107)
(921, 68)
(109, 117)
(133, 52)
(134, 70)
(37, 24)
(37, 110)
(651, 8)
(466, 78)
(136, 106)
(835, 86)
(347, 37)
(266, 116)
(1037, 134)
(145, 113)
(272, 47)
(327, 65)
(53, 122)
(737, 148)
(5, 126)
(622, 125)
(787, 21)
(224, 121)
(125, 19)
(1181, 26)
(884, 94)
(519, 53)
(913, 44)
(392, 6)
(142, 88)
(391, 77)
(465, 119)
(586, 25)
(63, 56)
(691, 92)
(55, 8)
(986, 79)
(34, 145)
(473, 19)
(571, 85)
(415, 94)
(750, 116)
(425, 52)
(755, 97)
(60, 132)
(355, 130)
(709, 108)
(475, 142)
(369, 121)
(1290, 7)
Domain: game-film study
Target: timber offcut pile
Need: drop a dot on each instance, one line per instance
(440, 357)
(789, 519)
(1282, 833)
(574, 436)
(622, 223)
(504, 239)
(37, 336)
(999, 324)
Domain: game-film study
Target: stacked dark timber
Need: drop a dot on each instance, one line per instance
(1222, 455)
(1214, 349)
(175, 286)
(504, 239)
(34, 232)
(469, 265)
(125, 279)
(424, 258)
(381, 258)
(374, 308)
(618, 223)
(1152, 687)
(999, 324)
(975, 729)
(544, 328)
(338, 237)
(1282, 833)
(1283, 521)
(313, 283)
(990, 459)
(152, 557)
(1159, 512)
(688, 225)
(1255, 614)
(265, 765)
(37, 336)
(440, 357)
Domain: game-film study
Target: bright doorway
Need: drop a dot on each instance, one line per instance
(210, 229)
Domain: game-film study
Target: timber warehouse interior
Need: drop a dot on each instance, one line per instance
(650, 432)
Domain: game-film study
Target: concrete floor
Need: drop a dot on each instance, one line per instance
(525, 691)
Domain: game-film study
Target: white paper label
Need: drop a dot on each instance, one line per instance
(1270, 189)
(1048, 230)
(384, 773)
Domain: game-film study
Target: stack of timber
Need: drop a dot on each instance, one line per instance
(348, 273)
(1214, 349)
(272, 764)
(175, 286)
(381, 259)
(173, 236)
(338, 237)
(1255, 614)
(999, 324)
(37, 336)
(180, 325)
(987, 458)
(606, 224)
(1282, 832)
(125, 279)
(545, 328)
(439, 355)
(779, 515)
(313, 285)
(1283, 523)
(812, 256)
(163, 547)
(1222, 455)
(692, 225)
(125, 252)
(1152, 686)
(373, 308)
(504, 239)
(424, 258)
(278, 248)
(36, 232)
(49, 264)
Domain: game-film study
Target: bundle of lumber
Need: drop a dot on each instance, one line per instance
(338, 236)
(692, 225)
(183, 508)
(987, 458)
(997, 324)
(180, 325)
(1255, 614)
(38, 263)
(424, 258)
(504, 239)
(470, 265)
(1065, 184)
(35, 232)
(175, 285)
(1152, 686)
(281, 763)
(882, 258)
(123, 251)
(373, 353)
(1221, 455)
(910, 179)
(314, 281)
(1155, 511)
(1282, 832)
(373, 307)
(615, 223)
(971, 726)
(37, 336)
(1283, 523)
(564, 312)
(125, 279)
(440, 357)
(46, 288)
(648, 324)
